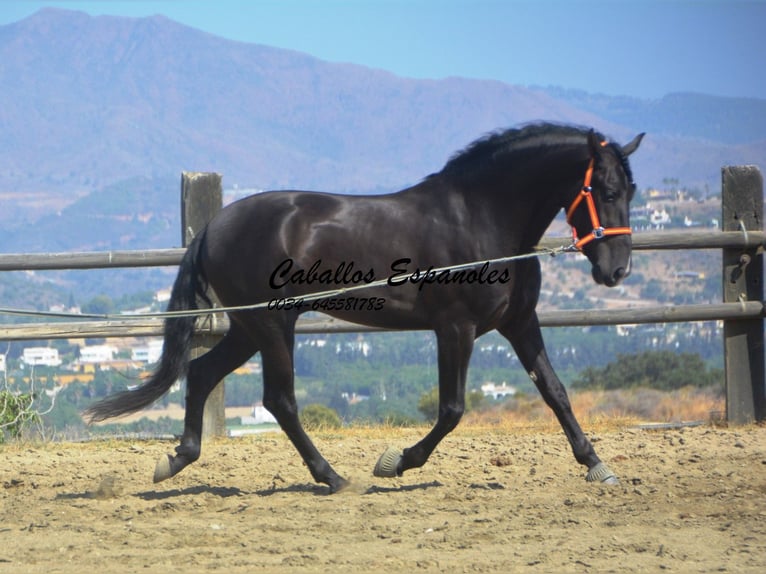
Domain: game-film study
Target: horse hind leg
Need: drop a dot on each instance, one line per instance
(204, 374)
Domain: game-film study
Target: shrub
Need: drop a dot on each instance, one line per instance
(663, 370)
(318, 416)
(15, 414)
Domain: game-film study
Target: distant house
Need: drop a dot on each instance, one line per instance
(162, 296)
(259, 416)
(646, 215)
(659, 218)
(97, 353)
(2, 363)
(42, 356)
(61, 308)
(496, 391)
(149, 353)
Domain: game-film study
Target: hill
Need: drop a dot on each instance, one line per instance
(88, 101)
(733, 121)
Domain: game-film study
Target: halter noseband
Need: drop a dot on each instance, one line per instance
(599, 231)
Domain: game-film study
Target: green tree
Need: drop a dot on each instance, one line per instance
(316, 416)
(663, 370)
(100, 304)
(653, 290)
(428, 404)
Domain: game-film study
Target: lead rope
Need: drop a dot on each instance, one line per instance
(264, 305)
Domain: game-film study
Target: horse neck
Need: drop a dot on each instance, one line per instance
(524, 199)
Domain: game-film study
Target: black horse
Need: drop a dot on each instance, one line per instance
(494, 199)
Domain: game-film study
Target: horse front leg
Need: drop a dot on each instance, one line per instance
(454, 344)
(528, 344)
(279, 400)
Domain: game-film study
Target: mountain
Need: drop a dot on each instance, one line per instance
(89, 103)
(731, 121)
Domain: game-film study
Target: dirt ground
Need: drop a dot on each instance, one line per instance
(490, 500)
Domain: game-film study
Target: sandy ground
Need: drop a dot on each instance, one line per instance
(690, 500)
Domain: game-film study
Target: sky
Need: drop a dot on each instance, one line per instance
(640, 48)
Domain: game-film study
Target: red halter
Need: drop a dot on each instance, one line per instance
(598, 231)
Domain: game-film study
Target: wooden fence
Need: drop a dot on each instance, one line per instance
(741, 240)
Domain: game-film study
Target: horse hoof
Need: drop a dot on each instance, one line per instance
(163, 470)
(339, 485)
(601, 473)
(612, 480)
(388, 464)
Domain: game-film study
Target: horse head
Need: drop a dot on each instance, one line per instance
(599, 215)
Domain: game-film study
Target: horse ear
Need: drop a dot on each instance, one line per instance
(629, 148)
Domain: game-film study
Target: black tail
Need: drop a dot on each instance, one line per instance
(178, 331)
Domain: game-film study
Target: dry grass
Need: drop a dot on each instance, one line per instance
(605, 410)
(597, 411)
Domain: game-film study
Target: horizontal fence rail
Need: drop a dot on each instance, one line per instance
(90, 259)
(169, 257)
(323, 324)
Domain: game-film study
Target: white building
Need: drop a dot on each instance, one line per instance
(659, 219)
(97, 353)
(2, 363)
(259, 416)
(497, 391)
(43, 356)
(162, 296)
(149, 353)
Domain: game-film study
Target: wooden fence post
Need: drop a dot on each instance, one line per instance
(742, 210)
(201, 199)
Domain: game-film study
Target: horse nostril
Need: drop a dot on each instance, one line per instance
(603, 278)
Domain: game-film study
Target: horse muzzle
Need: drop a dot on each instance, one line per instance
(610, 278)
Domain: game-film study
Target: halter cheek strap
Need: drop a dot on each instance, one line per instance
(586, 195)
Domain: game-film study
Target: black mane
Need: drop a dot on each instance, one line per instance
(530, 137)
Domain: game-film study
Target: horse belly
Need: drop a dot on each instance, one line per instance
(375, 309)
(407, 308)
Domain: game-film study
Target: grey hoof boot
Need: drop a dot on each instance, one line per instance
(601, 473)
(163, 470)
(388, 464)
